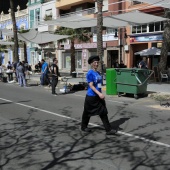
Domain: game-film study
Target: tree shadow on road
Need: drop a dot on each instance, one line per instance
(59, 144)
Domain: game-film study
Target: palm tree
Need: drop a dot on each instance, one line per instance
(166, 42)
(22, 30)
(81, 35)
(16, 46)
(99, 31)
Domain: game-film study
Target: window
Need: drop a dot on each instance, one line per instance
(78, 59)
(48, 12)
(144, 28)
(155, 27)
(31, 18)
(136, 2)
(48, 15)
(138, 29)
(37, 15)
(110, 30)
(152, 27)
(94, 30)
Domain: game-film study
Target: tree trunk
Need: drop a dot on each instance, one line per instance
(166, 42)
(16, 46)
(99, 32)
(99, 28)
(73, 66)
(25, 52)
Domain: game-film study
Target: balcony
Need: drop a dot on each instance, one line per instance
(85, 12)
(48, 1)
(65, 4)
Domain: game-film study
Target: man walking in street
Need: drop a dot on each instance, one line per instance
(44, 73)
(55, 75)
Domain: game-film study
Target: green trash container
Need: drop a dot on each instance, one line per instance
(111, 82)
(132, 81)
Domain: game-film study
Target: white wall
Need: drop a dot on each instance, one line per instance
(105, 5)
(49, 5)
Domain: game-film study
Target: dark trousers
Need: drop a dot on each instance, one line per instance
(104, 118)
(54, 84)
(44, 78)
(10, 76)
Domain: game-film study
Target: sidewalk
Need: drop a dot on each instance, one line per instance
(155, 87)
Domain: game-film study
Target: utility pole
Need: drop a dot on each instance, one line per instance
(16, 46)
(99, 34)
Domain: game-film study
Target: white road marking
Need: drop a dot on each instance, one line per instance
(92, 124)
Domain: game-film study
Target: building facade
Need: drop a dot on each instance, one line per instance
(145, 36)
(41, 10)
(22, 23)
(111, 43)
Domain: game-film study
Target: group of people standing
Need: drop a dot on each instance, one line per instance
(54, 73)
(21, 69)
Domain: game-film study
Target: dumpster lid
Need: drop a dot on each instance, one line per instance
(131, 70)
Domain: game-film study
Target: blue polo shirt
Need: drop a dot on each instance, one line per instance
(44, 66)
(95, 77)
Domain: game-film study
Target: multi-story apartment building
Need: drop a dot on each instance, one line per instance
(142, 37)
(112, 45)
(22, 23)
(41, 10)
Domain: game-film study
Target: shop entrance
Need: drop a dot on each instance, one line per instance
(112, 56)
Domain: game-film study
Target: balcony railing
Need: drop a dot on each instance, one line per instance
(81, 12)
(47, 1)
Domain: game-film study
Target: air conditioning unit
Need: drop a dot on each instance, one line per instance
(126, 47)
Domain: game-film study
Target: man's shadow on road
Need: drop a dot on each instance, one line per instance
(115, 124)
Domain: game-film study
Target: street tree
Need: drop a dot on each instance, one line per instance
(79, 35)
(22, 30)
(16, 46)
(99, 31)
(166, 42)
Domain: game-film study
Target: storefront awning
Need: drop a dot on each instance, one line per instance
(36, 37)
(114, 21)
(162, 3)
(138, 18)
(153, 51)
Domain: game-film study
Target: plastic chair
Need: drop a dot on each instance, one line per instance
(163, 76)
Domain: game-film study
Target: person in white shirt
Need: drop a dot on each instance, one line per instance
(9, 71)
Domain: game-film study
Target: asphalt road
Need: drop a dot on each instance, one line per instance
(39, 132)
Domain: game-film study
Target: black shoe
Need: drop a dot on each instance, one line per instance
(54, 94)
(111, 132)
(86, 129)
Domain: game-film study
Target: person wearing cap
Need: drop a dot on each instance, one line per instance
(95, 101)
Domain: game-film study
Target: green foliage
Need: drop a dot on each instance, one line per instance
(47, 17)
(81, 35)
(3, 48)
(22, 30)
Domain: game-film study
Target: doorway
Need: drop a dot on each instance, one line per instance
(112, 56)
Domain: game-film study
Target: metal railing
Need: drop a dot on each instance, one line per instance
(81, 13)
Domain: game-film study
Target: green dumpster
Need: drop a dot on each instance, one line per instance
(111, 82)
(132, 81)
